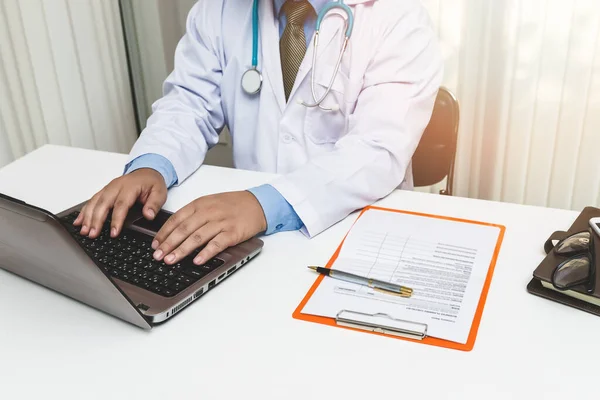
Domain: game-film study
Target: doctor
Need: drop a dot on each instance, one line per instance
(352, 149)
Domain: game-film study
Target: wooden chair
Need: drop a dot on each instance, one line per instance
(435, 156)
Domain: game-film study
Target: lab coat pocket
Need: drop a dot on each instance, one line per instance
(322, 126)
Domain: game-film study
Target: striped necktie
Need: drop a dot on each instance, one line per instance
(292, 46)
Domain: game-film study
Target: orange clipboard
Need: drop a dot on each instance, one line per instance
(426, 340)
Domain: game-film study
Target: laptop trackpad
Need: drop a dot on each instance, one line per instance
(140, 223)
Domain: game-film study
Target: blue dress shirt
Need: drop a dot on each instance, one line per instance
(280, 215)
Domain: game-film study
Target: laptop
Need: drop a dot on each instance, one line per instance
(115, 275)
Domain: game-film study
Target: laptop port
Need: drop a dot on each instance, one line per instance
(212, 284)
(199, 293)
(221, 276)
(231, 270)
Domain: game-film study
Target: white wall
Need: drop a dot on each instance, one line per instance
(63, 77)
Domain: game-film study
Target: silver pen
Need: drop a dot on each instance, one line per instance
(380, 286)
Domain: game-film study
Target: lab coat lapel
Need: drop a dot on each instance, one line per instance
(269, 43)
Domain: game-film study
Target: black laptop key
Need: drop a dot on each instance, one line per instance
(136, 280)
(138, 262)
(177, 286)
(211, 265)
(146, 285)
(170, 274)
(156, 289)
(186, 280)
(161, 270)
(149, 266)
(176, 267)
(194, 273)
(215, 263)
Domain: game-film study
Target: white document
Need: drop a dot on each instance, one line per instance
(445, 262)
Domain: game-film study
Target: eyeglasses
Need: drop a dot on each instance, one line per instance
(579, 268)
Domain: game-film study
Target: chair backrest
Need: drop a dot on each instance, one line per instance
(434, 158)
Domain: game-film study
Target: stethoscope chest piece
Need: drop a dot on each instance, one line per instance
(252, 81)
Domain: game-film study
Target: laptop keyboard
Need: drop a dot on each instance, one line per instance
(128, 257)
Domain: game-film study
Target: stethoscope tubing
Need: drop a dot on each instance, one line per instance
(317, 102)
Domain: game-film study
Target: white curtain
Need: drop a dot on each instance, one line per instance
(527, 75)
(63, 77)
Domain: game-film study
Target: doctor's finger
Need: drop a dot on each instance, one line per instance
(182, 220)
(218, 244)
(125, 200)
(101, 208)
(194, 241)
(79, 218)
(87, 213)
(156, 199)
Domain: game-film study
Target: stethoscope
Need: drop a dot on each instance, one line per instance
(252, 78)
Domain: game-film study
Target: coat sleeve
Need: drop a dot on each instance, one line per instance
(187, 119)
(401, 83)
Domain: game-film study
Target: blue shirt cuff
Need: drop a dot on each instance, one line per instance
(280, 215)
(157, 163)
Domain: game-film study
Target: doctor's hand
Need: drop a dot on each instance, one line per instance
(144, 185)
(216, 222)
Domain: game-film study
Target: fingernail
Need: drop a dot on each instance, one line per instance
(170, 258)
(198, 261)
(158, 254)
(93, 232)
(154, 244)
(113, 232)
(84, 229)
(151, 213)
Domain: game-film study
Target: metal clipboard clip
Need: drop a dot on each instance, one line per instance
(382, 323)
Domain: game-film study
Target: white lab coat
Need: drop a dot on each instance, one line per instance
(330, 164)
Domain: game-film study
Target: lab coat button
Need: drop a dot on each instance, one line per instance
(286, 138)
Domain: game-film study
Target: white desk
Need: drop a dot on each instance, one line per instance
(241, 342)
